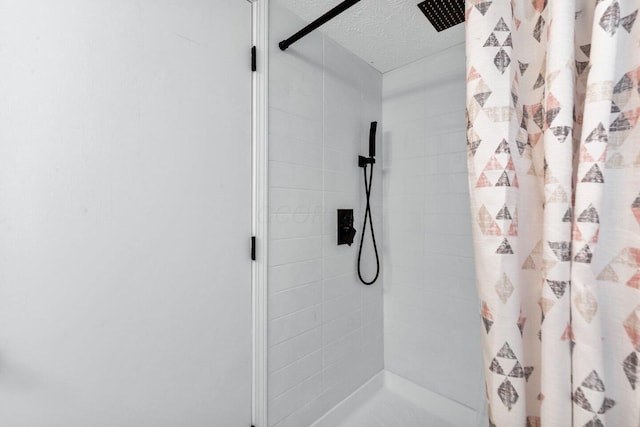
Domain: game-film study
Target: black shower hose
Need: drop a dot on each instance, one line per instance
(367, 214)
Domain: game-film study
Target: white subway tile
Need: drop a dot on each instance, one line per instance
(428, 264)
(287, 276)
(340, 286)
(322, 98)
(291, 150)
(342, 305)
(288, 402)
(307, 414)
(338, 266)
(290, 175)
(292, 300)
(346, 347)
(285, 251)
(291, 375)
(341, 369)
(289, 351)
(290, 125)
(344, 182)
(291, 201)
(288, 226)
(341, 326)
(284, 328)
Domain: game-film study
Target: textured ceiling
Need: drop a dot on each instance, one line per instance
(386, 33)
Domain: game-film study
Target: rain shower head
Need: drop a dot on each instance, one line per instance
(443, 14)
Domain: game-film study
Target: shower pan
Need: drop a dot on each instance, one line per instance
(372, 304)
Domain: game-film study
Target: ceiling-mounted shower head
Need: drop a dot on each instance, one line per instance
(443, 14)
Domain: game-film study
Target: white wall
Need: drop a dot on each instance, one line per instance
(431, 320)
(125, 191)
(325, 328)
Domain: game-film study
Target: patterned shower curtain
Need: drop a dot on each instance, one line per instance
(553, 99)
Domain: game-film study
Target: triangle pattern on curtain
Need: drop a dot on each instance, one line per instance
(553, 103)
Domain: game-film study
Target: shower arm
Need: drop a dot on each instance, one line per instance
(284, 44)
(440, 17)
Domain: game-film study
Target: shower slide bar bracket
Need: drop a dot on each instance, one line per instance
(284, 44)
(364, 161)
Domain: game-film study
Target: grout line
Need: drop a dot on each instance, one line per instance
(317, 350)
(295, 189)
(298, 261)
(295, 163)
(295, 336)
(297, 285)
(293, 411)
(300, 310)
(303, 379)
(342, 316)
(299, 333)
(289, 113)
(324, 207)
(315, 168)
(351, 293)
(293, 288)
(310, 237)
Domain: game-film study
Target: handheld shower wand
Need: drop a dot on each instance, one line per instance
(372, 139)
(363, 162)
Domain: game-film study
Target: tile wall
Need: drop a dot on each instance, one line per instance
(431, 313)
(325, 328)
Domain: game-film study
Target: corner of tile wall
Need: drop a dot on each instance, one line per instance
(431, 313)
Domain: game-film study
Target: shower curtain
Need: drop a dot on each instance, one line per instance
(553, 99)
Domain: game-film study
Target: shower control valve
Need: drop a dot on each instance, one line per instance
(364, 161)
(346, 232)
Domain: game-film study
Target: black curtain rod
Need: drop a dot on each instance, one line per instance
(284, 44)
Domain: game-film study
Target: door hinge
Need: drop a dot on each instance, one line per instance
(254, 59)
(253, 248)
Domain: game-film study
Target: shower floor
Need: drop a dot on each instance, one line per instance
(391, 401)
